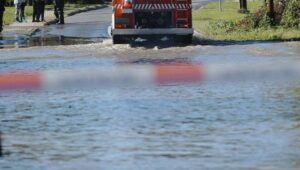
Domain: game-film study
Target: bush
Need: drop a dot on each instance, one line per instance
(287, 13)
(254, 20)
(291, 14)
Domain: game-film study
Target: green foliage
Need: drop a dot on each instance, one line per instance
(231, 25)
(287, 13)
(291, 14)
(9, 14)
(258, 19)
(221, 26)
(225, 21)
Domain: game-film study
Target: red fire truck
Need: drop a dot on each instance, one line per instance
(133, 18)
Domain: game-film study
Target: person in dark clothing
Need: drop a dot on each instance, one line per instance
(42, 9)
(2, 9)
(59, 11)
(24, 3)
(36, 10)
(18, 5)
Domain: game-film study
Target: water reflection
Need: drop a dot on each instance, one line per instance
(21, 41)
(1, 42)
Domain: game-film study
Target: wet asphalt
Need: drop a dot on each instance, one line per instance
(92, 24)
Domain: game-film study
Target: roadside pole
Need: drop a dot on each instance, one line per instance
(243, 6)
(271, 14)
(220, 5)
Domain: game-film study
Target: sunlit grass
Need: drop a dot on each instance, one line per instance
(9, 14)
(205, 18)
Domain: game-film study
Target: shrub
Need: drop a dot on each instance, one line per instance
(223, 26)
(291, 14)
(287, 13)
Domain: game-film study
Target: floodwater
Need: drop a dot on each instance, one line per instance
(83, 28)
(212, 125)
(46, 37)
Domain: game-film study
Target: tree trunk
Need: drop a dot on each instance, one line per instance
(271, 13)
(243, 6)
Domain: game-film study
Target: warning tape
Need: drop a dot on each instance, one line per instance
(101, 77)
(145, 75)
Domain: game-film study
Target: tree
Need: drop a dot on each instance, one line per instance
(243, 6)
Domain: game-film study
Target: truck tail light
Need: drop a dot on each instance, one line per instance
(120, 25)
(127, 4)
(183, 24)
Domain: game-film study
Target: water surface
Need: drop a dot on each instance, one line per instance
(232, 125)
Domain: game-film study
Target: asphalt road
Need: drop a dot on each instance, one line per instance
(92, 24)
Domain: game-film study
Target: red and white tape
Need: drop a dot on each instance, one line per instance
(102, 77)
(145, 75)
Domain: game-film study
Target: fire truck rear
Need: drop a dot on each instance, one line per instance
(134, 18)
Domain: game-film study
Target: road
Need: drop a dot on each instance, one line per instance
(92, 24)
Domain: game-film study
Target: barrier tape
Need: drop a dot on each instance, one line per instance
(103, 77)
(145, 75)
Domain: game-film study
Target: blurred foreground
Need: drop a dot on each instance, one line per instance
(251, 123)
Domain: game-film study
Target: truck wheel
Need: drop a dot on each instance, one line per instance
(185, 39)
(117, 39)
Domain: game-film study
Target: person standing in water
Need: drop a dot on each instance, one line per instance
(36, 10)
(42, 9)
(18, 5)
(59, 11)
(23, 4)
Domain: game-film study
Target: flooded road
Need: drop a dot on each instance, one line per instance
(83, 28)
(211, 125)
(240, 125)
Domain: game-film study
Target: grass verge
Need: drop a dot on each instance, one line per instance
(215, 24)
(10, 17)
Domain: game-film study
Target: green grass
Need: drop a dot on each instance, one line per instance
(9, 14)
(211, 22)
